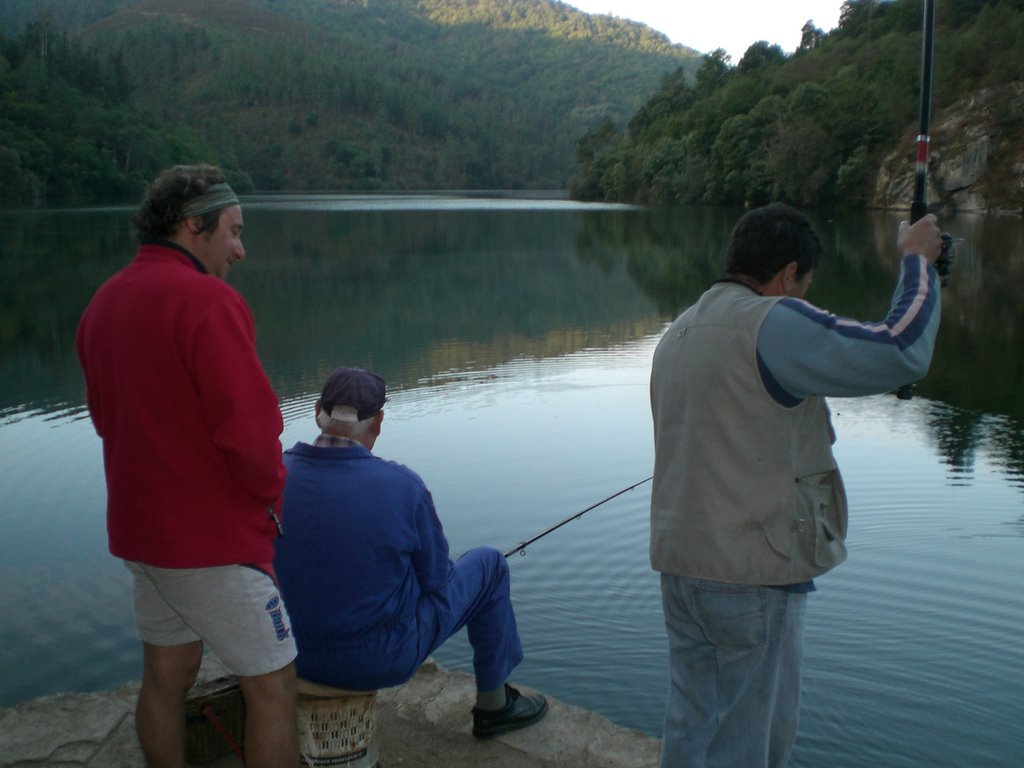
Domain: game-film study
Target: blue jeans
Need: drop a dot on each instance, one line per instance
(734, 658)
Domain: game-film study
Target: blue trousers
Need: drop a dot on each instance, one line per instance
(476, 596)
(734, 693)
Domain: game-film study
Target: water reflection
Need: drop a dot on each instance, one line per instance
(421, 284)
(418, 285)
(976, 371)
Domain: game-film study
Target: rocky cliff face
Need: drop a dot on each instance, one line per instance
(977, 157)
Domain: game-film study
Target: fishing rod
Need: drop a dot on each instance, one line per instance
(521, 547)
(919, 206)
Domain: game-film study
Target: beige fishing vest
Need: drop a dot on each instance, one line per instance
(745, 490)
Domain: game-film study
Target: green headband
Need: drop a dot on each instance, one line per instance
(217, 196)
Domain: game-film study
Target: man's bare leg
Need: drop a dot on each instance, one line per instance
(271, 732)
(167, 674)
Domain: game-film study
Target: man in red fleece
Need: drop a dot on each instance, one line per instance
(192, 456)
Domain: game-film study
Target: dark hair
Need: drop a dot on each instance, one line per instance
(767, 239)
(161, 209)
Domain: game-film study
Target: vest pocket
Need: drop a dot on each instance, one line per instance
(822, 509)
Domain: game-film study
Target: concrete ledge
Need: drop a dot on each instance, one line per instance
(425, 723)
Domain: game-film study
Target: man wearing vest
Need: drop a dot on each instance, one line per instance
(747, 504)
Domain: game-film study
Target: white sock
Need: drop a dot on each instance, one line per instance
(492, 700)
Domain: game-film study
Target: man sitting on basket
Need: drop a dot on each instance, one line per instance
(365, 569)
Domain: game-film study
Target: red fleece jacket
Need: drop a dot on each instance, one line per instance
(189, 421)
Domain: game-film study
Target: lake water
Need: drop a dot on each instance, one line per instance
(516, 336)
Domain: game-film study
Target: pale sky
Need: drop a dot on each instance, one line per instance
(729, 24)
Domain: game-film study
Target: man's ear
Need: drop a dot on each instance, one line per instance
(322, 419)
(789, 275)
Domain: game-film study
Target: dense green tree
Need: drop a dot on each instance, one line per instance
(739, 172)
(810, 36)
(64, 130)
(320, 94)
(810, 128)
(759, 56)
(441, 93)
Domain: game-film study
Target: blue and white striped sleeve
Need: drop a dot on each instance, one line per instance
(803, 350)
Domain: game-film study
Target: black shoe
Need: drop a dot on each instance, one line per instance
(519, 711)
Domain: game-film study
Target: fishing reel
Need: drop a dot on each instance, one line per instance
(947, 254)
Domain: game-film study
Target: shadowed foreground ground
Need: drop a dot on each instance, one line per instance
(424, 723)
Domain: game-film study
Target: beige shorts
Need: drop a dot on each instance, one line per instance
(236, 610)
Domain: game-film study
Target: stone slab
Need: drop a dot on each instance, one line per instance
(425, 723)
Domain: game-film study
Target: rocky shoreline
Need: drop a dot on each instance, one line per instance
(422, 724)
(977, 161)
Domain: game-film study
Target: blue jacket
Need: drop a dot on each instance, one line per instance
(362, 543)
(804, 351)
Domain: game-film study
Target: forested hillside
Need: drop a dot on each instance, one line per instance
(64, 129)
(813, 128)
(313, 94)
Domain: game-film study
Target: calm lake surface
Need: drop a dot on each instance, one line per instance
(516, 337)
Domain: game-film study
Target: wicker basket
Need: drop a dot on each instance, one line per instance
(337, 727)
(203, 742)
